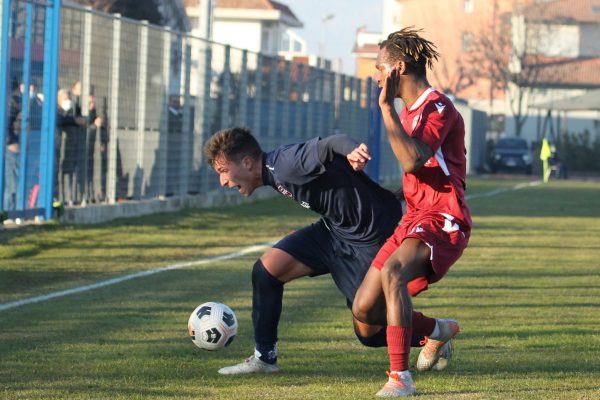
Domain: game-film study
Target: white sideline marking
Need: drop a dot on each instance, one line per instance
(86, 288)
(503, 190)
(247, 250)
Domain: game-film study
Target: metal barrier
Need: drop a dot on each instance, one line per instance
(29, 50)
(136, 102)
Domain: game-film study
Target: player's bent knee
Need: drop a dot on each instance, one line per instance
(360, 313)
(262, 278)
(376, 340)
(392, 272)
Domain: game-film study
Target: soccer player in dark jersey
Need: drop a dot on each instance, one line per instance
(428, 138)
(357, 216)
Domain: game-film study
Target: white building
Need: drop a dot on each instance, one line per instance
(261, 26)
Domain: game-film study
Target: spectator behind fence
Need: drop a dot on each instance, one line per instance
(86, 150)
(70, 142)
(13, 137)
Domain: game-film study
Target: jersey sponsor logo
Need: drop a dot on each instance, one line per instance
(440, 107)
(284, 191)
(305, 204)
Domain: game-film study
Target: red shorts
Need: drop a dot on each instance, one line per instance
(446, 239)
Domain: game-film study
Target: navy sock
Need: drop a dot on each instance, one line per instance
(267, 295)
(380, 339)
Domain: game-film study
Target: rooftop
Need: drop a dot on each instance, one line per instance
(574, 11)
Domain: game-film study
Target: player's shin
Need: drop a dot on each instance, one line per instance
(266, 310)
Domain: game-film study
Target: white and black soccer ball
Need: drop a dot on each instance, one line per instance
(212, 326)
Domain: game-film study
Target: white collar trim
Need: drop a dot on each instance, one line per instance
(421, 99)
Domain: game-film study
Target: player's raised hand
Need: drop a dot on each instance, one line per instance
(359, 157)
(389, 87)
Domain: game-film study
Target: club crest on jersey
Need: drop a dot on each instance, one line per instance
(284, 191)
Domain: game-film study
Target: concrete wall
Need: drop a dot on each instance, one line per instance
(97, 213)
(475, 130)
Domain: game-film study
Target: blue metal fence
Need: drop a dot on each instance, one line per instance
(29, 59)
(146, 98)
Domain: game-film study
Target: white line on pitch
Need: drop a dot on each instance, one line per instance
(503, 190)
(80, 289)
(247, 250)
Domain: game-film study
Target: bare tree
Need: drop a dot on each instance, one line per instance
(456, 77)
(508, 57)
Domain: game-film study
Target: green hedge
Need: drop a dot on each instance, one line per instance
(579, 152)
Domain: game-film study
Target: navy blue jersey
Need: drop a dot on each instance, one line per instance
(353, 207)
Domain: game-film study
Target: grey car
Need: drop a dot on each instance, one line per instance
(511, 154)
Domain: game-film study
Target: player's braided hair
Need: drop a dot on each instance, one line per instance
(408, 46)
(233, 144)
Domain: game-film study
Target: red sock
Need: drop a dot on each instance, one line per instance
(398, 340)
(422, 325)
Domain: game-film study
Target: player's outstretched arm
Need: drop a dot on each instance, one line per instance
(412, 153)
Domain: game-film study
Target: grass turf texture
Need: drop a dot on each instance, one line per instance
(526, 292)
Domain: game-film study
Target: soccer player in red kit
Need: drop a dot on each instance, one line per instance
(428, 138)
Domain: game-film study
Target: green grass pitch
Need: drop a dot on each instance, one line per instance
(526, 292)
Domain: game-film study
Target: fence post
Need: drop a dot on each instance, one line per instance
(356, 106)
(4, 52)
(272, 101)
(300, 88)
(47, 156)
(200, 180)
(331, 97)
(186, 123)
(138, 180)
(258, 77)
(225, 89)
(342, 109)
(23, 135)
(113, 118)
(287, 84)
(86, 55)
(319, 111)
(164, 134)
(310, 105)
(374, 130)
(242, 117)
(86, 59)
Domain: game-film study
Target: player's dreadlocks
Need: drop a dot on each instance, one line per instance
(406, 45)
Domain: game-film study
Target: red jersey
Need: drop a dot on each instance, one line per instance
(438, 186)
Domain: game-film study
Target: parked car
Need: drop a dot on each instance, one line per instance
(511, 154)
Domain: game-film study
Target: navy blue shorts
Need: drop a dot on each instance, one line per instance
(316, 247)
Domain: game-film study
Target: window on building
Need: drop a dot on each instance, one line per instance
(264, 46)
(469, 6)
(285, 44)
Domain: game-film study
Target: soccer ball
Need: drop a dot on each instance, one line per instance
(212, 326)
